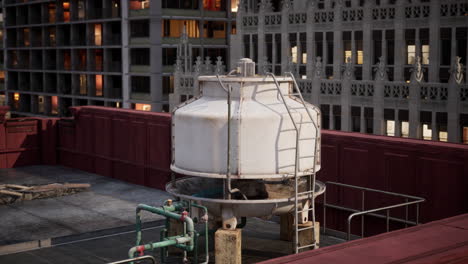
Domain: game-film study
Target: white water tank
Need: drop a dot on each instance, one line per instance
(263, 138)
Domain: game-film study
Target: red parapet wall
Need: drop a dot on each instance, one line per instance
(135, 146)
(129, 145)
(435, 171)
(27, 141)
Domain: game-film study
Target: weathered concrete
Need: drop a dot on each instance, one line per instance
(108, 204)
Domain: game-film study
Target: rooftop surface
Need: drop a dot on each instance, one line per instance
(97, 226)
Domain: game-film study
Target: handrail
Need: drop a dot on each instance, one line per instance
(372, 212)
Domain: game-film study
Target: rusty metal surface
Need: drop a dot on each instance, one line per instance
(444, 241)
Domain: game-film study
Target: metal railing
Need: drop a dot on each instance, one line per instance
(409, 200)
(138, 259)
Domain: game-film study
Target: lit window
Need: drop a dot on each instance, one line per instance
(16, 96)
(348, 54)
(2, 99)
(54, 103)
(405, 129)
(360, 57)
(234, 4)
(98, 34)
(294, 54)
(411, 54)
(443, 136)
(66, 11)
(425, 54)
(99, 85)
(465, 135)
(390, 128)
(143, 107)
(427, 132)
(304, 58)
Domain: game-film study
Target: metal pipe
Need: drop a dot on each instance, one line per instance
(228, 165)
(185, 238)
(135, 259)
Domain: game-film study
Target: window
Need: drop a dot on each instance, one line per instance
(140, 84)
(52, 11)
(168, 84)
(66, 11)
(140, 56)
(139, 4)
(234, 5)
(99, 84)
(169, 56)
(214, 29)
(143, 107)
(97, 34)
(173, 28)
(83, 88)
(214, 5)
(389, 116)
(356, 119)
(180, 4)
(139, 28)
(54, 105)
(411, 54)
(427, 132)
(81, 10)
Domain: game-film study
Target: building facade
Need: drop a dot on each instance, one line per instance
(386, 67)
(115, 53)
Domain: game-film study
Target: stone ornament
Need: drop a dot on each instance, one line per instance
(198, 65)
(381, 70)
(348, 68)
(318, 67)
(219, 67)
(265, 6)
(286, 5)
(417, 71)
(457, 70)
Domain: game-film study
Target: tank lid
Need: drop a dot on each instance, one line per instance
(245, 67)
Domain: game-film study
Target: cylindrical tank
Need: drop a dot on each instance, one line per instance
(263, 137)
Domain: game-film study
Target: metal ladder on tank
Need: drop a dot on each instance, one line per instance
(310, 177)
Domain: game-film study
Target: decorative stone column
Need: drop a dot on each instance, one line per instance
(434, 41)
(367, 41)
(400, 43)
(316, 82)
(285, 49)
(310, 27)
(378, 99)
(348, 76)
(338, 40)
(453, 102)
(414, 106)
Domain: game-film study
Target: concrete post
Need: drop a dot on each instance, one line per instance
(378, 105)
(228, 246)
(156, 53)
(345, 99)
(362, 121)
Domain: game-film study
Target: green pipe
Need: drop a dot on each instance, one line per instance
(162, 211)
(172, 242)
(162, 236)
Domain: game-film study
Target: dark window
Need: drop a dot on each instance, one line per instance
(169, 56)
(140, 84)
(140, 56)
(139, 28)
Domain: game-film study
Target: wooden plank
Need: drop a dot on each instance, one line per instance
(7, 192)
